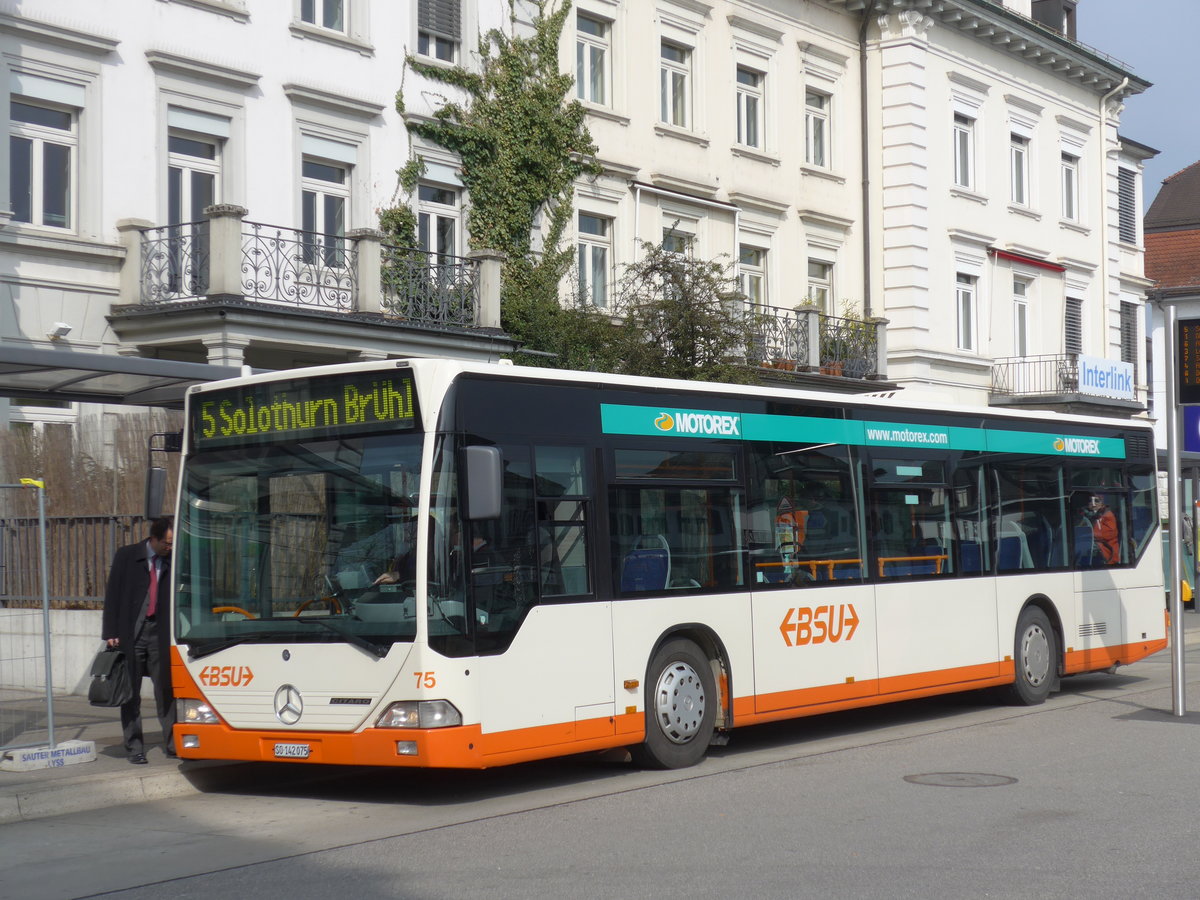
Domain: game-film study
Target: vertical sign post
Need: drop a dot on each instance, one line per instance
(1183, 388)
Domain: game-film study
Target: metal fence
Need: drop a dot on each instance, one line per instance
(25, 647)
(81, 549)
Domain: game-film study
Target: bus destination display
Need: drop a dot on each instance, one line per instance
(303, 409)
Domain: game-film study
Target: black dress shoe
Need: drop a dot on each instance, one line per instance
(138, 759)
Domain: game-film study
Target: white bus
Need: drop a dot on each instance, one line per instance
(436, 563)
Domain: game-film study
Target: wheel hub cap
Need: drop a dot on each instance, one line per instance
(1035, 655)
(679, 702)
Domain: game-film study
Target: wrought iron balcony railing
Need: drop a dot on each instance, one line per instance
(428, 287)
(1031, 376)
(225, 255)
(806, 340)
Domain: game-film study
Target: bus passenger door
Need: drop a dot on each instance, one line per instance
(814, 618)
(930, 557)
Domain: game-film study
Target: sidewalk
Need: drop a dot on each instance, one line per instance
(111, 780)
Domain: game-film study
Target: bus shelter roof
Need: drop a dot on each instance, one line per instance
(74, 376)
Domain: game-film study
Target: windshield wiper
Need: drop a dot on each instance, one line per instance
(356, 639)
(216, 645)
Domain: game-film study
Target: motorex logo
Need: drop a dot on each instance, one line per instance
(699, 423)
(1078, 446)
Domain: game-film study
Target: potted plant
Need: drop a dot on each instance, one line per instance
(846, 341)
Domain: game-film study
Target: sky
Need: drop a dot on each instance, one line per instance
(1157, 40)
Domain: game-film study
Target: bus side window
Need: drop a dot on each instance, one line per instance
(562, 487)
(1033, 528)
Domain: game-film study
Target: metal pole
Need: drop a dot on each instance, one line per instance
(1174, 515)
(41, 489)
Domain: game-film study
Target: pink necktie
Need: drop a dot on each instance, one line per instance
(153, 588)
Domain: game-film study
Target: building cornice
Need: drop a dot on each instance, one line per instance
(71, 36)
(205, 69)
(1017, 35)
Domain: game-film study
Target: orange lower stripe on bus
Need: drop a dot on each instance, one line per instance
(1098, 658)
(869, 692)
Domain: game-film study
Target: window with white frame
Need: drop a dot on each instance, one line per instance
(675, 70)
(965, 311)
(1073, 326)
(749, 107)
(595, 253)
(1018, 158)
(592, 46)
(1021, 316)
(1070, 187)
(329, 14)
(324, 210)
(439, 214)
(676, 241)
(193, 172)
(752, 273)
(816, 128)
(820, 285)
(43, 145)
(439, 29)
(964, 151)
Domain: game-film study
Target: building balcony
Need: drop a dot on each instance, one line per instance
(1056, 381)
(234, 291)
(805, 344)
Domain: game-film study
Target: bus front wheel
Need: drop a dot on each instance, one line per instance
(1035, 658)
(681, 698)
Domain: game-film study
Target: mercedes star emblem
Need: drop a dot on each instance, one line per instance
(288, 705)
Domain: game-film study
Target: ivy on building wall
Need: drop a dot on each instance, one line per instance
(521, 143)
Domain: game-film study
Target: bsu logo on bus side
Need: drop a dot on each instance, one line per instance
(805, 625)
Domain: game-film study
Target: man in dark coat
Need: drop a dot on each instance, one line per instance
(137, 619)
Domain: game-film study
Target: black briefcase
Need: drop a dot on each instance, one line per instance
(110, 679)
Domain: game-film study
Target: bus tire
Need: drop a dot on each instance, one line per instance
(1035, 658)
(681, 707)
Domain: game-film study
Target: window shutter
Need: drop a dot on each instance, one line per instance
(1073, 326)
(1127, 205)
(1129, 331)
(442, 18)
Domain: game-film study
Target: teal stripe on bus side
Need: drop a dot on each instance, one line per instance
(660, 422)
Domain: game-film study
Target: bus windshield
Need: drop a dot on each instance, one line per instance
(309, 541)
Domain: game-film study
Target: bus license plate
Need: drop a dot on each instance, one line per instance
(291, 751)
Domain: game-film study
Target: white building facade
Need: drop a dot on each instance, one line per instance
(128, 121)
(952, 166)
(199, 180)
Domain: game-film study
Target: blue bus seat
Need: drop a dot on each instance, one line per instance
(647, 568)
(971, 556)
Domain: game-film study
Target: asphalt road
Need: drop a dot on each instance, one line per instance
(1092, 794)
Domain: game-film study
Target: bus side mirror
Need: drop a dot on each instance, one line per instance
(156, 488)
(485, 479)
(156, 476)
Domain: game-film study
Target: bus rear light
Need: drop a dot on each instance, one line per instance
(420, 714)
(195, 712)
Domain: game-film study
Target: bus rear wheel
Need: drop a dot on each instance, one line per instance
(1035, 657)
(681, 698)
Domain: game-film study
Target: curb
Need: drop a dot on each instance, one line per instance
(89, 792)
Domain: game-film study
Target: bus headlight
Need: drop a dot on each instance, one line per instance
(195, 712)
(420, 714)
